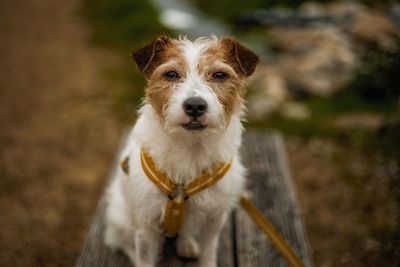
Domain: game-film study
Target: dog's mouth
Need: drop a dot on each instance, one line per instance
(194, 126)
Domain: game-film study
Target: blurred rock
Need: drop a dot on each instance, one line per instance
(370, 26)
(260, 107)
(394, 14)
(374, 27)
(274, 85)
(270, 94)
(312, 8)
(344, 9)
(295, 111)
(359, 121)
(317, 60)
(321, 58)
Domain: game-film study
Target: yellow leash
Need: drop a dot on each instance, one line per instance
(271, 232)
(175, 209)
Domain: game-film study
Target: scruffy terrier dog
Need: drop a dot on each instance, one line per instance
(189, 123)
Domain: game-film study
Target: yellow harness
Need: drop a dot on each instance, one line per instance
(178, 193)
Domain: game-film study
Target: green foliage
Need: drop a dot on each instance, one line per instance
(228, 10)
(123, 25)
(378, 80)
(117, 23)
(323, 113)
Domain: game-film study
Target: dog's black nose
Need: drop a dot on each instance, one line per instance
(195, 106)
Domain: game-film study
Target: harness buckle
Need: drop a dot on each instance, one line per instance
(175, 211)
(178, 195)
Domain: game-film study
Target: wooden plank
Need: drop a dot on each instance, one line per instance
(272, 191)
(94, 252)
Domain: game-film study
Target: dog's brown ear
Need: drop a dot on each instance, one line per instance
(246, 60)
(147, 56)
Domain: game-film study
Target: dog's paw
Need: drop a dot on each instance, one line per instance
(188, 248)
(112, 238)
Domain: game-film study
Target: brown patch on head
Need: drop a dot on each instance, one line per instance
(234, 60)
(154, 60)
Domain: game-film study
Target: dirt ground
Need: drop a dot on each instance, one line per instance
(348, 202)
(57, 135)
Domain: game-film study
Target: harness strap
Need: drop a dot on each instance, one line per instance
(157, 177)
(207, 179)
(175, 212)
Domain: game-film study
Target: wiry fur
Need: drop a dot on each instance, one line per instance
(136, 206)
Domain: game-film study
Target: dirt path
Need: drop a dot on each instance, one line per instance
(57, 139)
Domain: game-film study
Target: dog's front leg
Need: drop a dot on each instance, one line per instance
(147, 243)
(209, 239)
(186, 244)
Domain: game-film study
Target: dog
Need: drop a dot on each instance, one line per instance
(190, 120)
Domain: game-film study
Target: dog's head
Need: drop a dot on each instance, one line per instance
(198, 85)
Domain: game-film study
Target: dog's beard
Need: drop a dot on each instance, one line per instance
(207, 128)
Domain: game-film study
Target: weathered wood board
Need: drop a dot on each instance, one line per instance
(242, 244)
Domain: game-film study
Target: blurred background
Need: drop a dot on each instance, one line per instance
(329, 81)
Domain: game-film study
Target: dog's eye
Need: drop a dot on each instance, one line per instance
(219, 75)
(171, 75)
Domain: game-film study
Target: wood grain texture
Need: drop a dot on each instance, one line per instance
(241, 243)
(271, 190)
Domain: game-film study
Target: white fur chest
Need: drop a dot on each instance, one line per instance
(145, 202)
